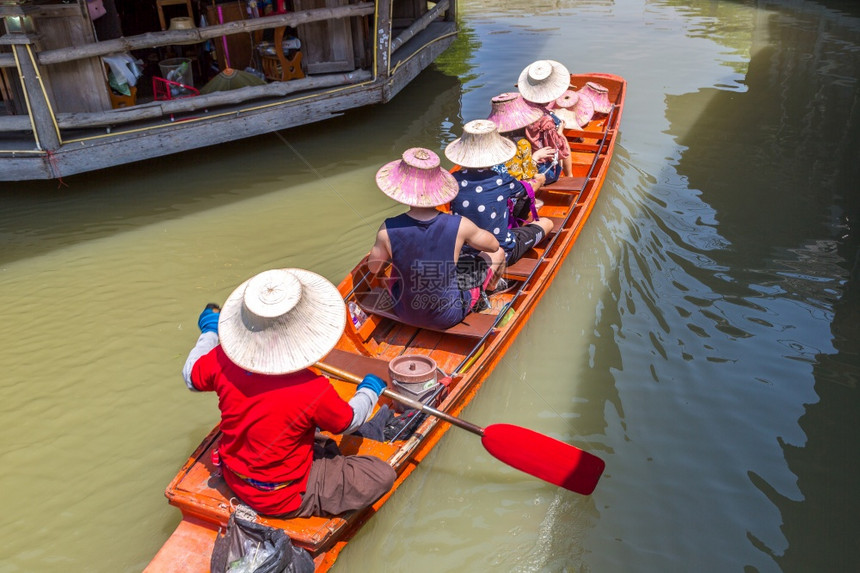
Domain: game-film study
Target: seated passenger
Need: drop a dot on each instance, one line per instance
(271, 329)
(512, 114)
(541, 83)
(486, 187)
(424, 245)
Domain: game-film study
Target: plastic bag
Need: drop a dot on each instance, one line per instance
(250, 547)
(123, 72)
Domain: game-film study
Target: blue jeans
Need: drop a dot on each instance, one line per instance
(552, 173)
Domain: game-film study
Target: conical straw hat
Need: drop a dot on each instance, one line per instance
(543, 81)
(583, 110)
(281, 321)
(417, 179)
(480, 146)
(183, 23)
(567, 100)
(568, 117)
(599, 96)
(231, 79)
(511, 112)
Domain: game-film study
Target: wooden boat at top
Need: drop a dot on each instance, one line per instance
(467, 352)
(58, 117)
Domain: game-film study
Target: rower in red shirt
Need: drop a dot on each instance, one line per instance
(272, 327)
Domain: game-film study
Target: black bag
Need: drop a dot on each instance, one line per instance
(520, 209)
(471, 271)
(250, 547)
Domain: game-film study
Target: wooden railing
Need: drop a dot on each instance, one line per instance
(385, 48)
(174, 37)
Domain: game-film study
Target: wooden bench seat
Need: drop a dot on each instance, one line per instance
(358, 364)
(377, 301)
(553, 201)
(583, 134)
(521, 269)
(566, 185)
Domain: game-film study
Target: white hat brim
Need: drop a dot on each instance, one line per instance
(547, 90)
(288, 343)
(473, 156)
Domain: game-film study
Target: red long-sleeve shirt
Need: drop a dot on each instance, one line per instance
(268, 424)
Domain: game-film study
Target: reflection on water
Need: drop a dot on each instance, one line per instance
(702, 337)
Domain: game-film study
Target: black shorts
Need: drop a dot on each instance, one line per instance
(524, 239)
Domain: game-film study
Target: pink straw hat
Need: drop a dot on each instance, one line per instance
(511, 112)
(599, 96)
(543, 81)
(583, 110)
(567, 100)
(417, 179)
(481, 145)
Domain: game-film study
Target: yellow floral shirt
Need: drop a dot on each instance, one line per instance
(522, 166)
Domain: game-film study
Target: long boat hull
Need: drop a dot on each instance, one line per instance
(467, 353)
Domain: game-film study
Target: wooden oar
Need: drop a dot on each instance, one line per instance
(526, 450)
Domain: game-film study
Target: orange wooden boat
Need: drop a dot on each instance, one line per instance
(467, 352)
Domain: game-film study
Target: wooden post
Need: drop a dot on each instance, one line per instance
(383, 39)
(38, 105)
(451, 15)
(419, 25)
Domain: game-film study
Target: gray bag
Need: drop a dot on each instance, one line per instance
(251, 547)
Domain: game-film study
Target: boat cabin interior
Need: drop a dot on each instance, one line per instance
(77, 71)
(279, 53)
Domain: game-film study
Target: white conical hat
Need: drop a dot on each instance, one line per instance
(481, 145)
(543, 81)
(281, 321)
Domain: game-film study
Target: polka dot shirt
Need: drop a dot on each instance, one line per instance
(483, 199)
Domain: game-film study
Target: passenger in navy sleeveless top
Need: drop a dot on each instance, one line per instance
(424, 244)
(485, 187)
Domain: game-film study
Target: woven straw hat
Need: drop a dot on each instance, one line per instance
(583, 110)
(567, 100)
(281, 321)
(577, 116)
(511, 112)
(543, 81)
(568, 117)
(481, 145)
(183, 23)
(599, 96)
(230, 79)
(417, 179)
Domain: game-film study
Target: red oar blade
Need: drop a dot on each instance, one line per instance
(544, 457)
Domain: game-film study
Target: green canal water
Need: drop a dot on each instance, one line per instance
(703, 336)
